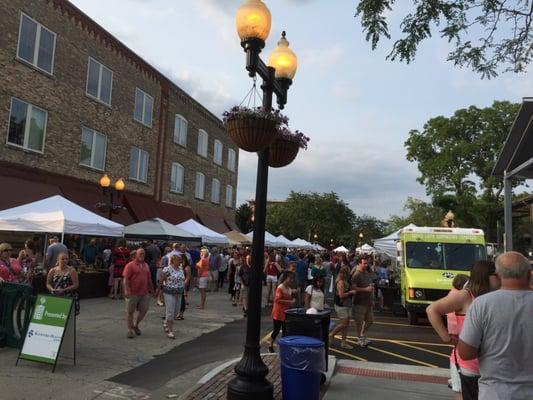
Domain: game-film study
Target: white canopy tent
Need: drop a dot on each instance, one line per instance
(318, 247)
(286, 242)
(366, 248)
(341, 249)
(302, 244)
(157, 228)
(387, 244)
(270, 239)
(58, 215)
(208, 236)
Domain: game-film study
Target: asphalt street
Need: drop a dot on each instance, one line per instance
(393, 341)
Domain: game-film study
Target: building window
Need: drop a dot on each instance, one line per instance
(229, 196)
(180, 130)
(231, 160)
(144, 106)
(27, 126)
(215, 191)
(36, 44)
(99, 81)
(217, 152)
(138, 164)
(202, 142)
(200, 186)
(177, 176)
(93, 149)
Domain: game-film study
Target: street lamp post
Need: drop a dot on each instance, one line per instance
(253, 21)
(110, 206)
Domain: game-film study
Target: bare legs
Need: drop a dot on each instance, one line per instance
(202, 299)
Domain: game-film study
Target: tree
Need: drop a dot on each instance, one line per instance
(419, 213)
(487, 35)
(243, 218)
(305, 214)
(455, 157)
(371, 228)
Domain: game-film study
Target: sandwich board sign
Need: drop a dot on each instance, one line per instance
(52, 330)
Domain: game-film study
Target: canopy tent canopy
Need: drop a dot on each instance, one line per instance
(270, 239)
(157, 228)
(318, 247)
(208, 236)
(366, 248)
(56, 214)
(387, 244)
(286, 242)
(302, 244)
(237, 238)
(341, 249)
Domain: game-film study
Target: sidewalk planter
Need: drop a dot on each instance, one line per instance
(282, 152)
(252, 133)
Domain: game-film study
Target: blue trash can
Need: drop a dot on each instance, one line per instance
(302, 364)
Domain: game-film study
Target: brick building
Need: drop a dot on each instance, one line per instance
(77, 103)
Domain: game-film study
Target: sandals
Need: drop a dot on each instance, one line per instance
(165, 327)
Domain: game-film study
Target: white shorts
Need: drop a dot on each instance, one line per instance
(203, 282)
(272, 278)
(455, 379)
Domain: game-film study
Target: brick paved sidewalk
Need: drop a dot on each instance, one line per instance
(216, 387)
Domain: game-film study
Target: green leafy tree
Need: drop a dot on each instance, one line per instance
(455, 157)
(488, 35)
(371, 228)
(306, 214)
(418, 212)
(243, 218)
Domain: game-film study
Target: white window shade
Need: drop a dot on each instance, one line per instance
(180, 130)
(177, 178)
(231, 160)
(203, 140)
(200, 186)
(217, 152)
(229, 196)
(215, 191)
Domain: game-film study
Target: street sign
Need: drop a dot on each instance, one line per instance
(51, 328)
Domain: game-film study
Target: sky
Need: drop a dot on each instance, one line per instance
(356, 106)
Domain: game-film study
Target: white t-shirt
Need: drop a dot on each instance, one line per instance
(317, 297)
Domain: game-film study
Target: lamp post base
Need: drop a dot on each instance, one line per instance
(242, 388)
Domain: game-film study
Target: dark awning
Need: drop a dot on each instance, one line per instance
(145, 207)
(18, 191)
(213, 222)
(516, 157)
(231, 225)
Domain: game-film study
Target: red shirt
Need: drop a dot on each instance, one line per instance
(203, 267)
(139, 278)
(10, 272)
(121, 256)
(271, 269)
(278, 311)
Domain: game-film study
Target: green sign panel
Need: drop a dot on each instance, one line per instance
(47, 328)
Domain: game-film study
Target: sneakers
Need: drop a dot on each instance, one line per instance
(170, 335)
(346, 346)
(131, 334)
(137, 330)
(363, 341)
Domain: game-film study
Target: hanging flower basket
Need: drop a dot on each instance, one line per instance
(252, 129)
(284, 149)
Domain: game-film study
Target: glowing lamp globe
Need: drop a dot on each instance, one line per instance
(253, 20)
(105, 181)
(120, 185)
(284, 60)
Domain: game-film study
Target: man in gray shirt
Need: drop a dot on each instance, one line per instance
(497, 330)
(54, 249)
